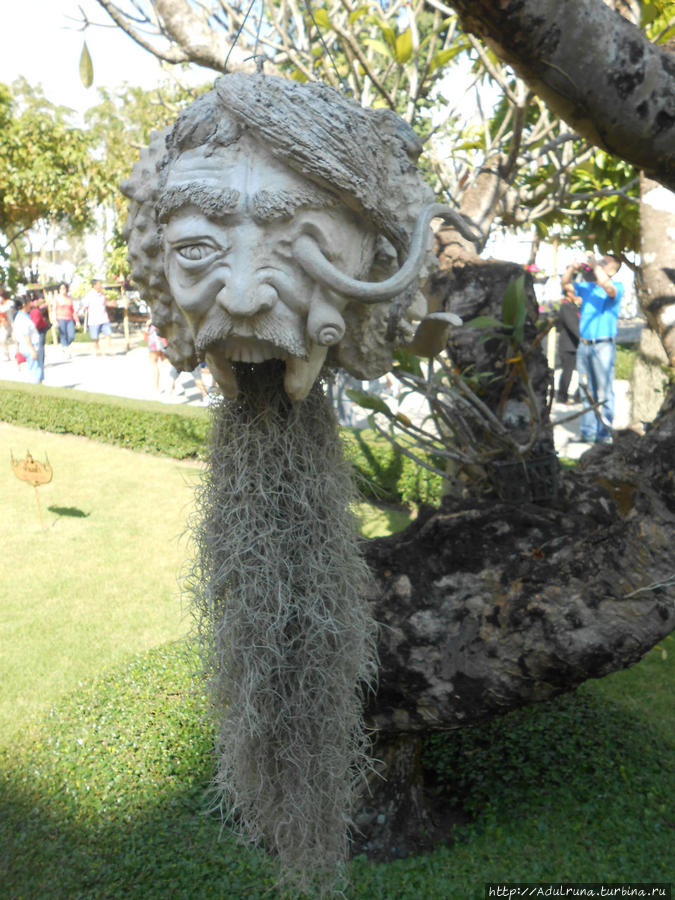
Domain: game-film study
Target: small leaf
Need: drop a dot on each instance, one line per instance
(514, 307)
(408, 362)
(485, 322)
(442, 58)
(356, 14)
(86, 67)
(321, 17)
(378, 46)
(369, 401)
(403, 48)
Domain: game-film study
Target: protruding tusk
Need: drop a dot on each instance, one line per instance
(315, 263)
(302, 373)
(224, 376)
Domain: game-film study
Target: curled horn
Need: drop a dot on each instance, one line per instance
(325, 325)
(311, 258)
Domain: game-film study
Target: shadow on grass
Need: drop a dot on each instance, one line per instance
(107, 800)
(68, 511)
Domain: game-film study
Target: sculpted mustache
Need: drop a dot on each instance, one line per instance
(270, 329)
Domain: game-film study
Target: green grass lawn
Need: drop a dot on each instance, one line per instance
(101, 581)
(106, 796)
(105, 749)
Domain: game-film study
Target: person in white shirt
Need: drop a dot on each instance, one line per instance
(27, 339)
(98, 320)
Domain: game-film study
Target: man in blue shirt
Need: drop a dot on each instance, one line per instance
(601, 297)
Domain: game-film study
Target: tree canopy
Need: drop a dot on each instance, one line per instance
(594, 69)
(47, 171)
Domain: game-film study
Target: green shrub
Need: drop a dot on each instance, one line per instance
(134, 424)
(384, 473)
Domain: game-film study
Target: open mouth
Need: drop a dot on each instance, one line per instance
(300, 372)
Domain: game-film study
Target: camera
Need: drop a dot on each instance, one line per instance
(587, 270)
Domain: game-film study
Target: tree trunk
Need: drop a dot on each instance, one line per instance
(657, 238)
(656, 294)
(489, 606)
(649, 380)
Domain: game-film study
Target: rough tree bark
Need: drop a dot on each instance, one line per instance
(608, 82)
(657, 295)
(487, 606)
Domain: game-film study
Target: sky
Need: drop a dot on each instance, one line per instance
(42, 41)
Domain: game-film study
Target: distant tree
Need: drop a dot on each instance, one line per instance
(47, 172)
(119, 126)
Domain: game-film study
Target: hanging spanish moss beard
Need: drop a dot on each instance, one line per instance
(289, 643)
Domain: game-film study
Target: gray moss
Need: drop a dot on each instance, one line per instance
(280, 598)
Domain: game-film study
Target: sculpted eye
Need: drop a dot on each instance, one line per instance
(195, 252)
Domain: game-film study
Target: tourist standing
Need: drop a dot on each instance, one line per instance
(40, 316)
(601, 296)
(27, 339)
(98, 320)
(567, 322)
(67, 319)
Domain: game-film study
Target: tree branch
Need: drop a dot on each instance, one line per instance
(610, 66)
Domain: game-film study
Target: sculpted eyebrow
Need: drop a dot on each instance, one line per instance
(213, 203)
(273, 206)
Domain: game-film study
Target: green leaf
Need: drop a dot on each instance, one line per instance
(86, 67)
(321, 17)
(403, 49)
(369, 401)
(356, 14)
(408, 362)
(648, 12)
(514, 307)
(443, 57)
(386, 31)
(484, 322)
(378, 46)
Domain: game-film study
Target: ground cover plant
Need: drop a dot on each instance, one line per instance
(105, 797)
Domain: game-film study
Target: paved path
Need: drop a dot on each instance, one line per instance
(127, 373)
(566, 436)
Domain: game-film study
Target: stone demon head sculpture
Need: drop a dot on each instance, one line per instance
(279, 220)
(275, 229)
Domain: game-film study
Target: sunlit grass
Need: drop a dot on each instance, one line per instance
(100, 582)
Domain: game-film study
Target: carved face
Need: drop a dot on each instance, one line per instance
(231, 221)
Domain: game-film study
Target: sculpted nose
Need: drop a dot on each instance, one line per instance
(243, 298)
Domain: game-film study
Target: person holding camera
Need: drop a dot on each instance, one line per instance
(601, 294)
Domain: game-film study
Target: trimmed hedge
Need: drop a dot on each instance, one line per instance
(134, 424)
(382, 472)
